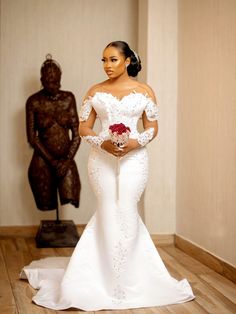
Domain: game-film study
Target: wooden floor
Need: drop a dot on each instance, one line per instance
(214, 293)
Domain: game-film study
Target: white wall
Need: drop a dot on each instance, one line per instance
(75, 32)
(206, 150)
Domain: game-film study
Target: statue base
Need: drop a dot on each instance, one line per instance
(57, 233)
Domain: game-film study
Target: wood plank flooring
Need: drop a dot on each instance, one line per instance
(214, 294)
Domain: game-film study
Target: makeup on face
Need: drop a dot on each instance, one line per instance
(114, 62)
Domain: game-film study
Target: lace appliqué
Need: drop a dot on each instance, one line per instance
(119, 295)
(94, 141)
(142, 158)
(85, 109)
(124, 227)
(95, 174)
(119, 261)
(145, 137)
(151, 110)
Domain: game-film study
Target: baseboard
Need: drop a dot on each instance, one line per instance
(206, 258)
(30, 231)
(184, 245)
(162, 239)
(26, 231)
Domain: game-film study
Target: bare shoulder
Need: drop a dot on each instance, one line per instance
(146, 89)
(94, 89)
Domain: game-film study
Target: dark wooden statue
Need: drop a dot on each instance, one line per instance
(52, 130)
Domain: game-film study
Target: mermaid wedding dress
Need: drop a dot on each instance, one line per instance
(115, 264)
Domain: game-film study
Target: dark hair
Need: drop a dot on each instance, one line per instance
(135, 62)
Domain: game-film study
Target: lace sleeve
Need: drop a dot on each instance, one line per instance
(145, 137)
(85, 109)
(94, 141)
(151, 110)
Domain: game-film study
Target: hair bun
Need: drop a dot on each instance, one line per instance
(135, 62)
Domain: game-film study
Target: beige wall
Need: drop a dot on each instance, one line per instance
(206, 145)
(158, 43)
(75, 32)
(192, 183)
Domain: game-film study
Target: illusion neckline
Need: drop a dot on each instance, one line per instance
(120, 99)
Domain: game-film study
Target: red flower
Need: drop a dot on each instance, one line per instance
(119, 128)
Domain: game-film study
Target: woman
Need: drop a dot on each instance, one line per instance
(115, 264)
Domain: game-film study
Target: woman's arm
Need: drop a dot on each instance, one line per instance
(149, 133)
(86, 127)
(87, 121)
(149, 118)
(87, 133)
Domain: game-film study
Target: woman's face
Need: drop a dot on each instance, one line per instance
(114, 62)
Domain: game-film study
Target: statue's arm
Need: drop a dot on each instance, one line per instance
(32, 134)
(75, 141)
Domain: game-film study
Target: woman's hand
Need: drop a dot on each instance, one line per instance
(120, 151)
(131, 145)
(109, 147)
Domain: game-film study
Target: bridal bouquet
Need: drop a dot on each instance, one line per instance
(119, 134)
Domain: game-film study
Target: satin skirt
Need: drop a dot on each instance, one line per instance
(115, 264)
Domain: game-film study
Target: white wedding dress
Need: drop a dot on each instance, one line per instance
(115, 264)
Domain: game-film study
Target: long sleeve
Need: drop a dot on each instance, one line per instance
(86, 108)
(151, 111)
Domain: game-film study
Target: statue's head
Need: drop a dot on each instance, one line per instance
(51, 75)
